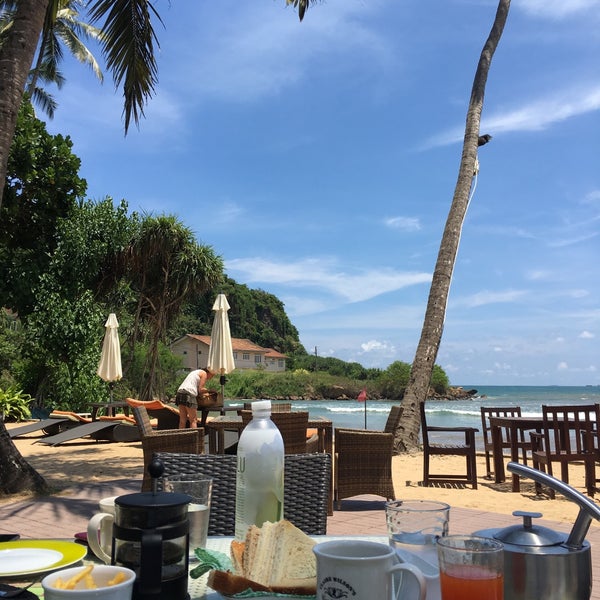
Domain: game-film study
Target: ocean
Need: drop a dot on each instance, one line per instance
(454, 413)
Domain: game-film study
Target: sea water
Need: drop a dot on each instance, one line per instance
(373, 414)
(198, 519)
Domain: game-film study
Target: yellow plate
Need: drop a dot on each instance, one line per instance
(28, 557)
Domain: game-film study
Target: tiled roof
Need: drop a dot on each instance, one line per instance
(239, 345)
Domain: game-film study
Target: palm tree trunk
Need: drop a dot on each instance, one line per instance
(407, 434)
(16, 57)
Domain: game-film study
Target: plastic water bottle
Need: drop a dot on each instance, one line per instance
(259, 484)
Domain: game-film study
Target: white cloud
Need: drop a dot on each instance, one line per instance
(586, 335)
(535, 116)
(486, 297)
(562, 366)
(376, 346)
(325, 274)
(403, 223)
(558, 9)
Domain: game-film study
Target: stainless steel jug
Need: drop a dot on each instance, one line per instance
(540, 562)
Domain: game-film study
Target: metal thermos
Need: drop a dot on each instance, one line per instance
(540, 562)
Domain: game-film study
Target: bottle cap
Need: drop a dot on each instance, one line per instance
(261, 405)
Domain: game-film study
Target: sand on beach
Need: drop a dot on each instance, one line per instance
(85, 460)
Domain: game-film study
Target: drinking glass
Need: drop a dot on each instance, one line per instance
(471, 568)
(198, 509)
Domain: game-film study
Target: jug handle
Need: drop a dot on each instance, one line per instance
(588, 509)
(150, 563)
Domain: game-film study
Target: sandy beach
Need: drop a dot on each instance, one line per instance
(83, 461)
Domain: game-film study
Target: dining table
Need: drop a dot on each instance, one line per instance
(517, 427)
(197, 587)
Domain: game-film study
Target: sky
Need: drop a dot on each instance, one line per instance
(319, 160)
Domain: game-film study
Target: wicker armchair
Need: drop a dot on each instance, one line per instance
(363, 460)
(306, 488)
(166, 440)
(292, 425)
(275, 406)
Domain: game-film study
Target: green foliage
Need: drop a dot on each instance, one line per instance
(439, 380)
(255, 315)
(394, 380)
(42, 186)
(14, 404)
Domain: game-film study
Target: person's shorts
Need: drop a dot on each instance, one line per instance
(186, 400)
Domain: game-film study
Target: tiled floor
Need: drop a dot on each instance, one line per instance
(63, 516)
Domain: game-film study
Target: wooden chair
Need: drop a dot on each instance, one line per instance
(307, 480)
(293, 427)
(432, 448)
(363, 460)
(569, 434)
(166, 440)
(504, 411)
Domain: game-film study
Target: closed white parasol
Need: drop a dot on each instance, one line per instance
(220, 352)
(110, 368)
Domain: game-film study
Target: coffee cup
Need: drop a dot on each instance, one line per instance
(364, 569)
(100, 529)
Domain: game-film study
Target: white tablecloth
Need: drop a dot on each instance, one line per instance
(197, 587)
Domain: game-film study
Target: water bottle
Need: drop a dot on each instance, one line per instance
(259, 484)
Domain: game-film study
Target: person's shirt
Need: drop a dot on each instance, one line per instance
(191, 383)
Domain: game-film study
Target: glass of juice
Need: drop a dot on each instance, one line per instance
(471, 568)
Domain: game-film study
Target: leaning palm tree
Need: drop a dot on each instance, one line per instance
(407, 434)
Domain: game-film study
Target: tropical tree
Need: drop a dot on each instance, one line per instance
(407, 434)
(62, 28)
(127, 41)
(166, 268)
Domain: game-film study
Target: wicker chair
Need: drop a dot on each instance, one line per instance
(363, 460)
(166, 440)
(275, 406)
(431, 448)
(292, 425)
(307, 479)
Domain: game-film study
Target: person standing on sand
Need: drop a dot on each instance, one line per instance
(187, 396)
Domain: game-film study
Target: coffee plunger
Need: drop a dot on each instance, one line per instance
(151, 536)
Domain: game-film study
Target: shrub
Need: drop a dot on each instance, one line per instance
(14, 404)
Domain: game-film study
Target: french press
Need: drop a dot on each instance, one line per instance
(151, 537)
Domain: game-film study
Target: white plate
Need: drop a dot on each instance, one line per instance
(15, 559)
(28, 557)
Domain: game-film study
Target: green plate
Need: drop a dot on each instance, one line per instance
(41, 556)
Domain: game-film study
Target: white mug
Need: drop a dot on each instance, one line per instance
(100, 529)
(363, 569)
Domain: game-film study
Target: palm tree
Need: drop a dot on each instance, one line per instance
(166, 268)
(62, 28)
(407, 433)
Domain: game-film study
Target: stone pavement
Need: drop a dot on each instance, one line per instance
(62, 516)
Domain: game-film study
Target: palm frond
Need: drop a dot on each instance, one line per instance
(44, 100)
(128, 40)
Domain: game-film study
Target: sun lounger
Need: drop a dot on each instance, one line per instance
(49, 426)
(113, 429)
(166, 415)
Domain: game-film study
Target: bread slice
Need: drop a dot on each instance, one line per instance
(277, 557)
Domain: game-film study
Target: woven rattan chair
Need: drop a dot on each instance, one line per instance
(292, 425)
(432, 448)
(307, 480)
(166, 440)
(363, 460)
(488, 446)
(275, 406)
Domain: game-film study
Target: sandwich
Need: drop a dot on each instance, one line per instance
(276, 558)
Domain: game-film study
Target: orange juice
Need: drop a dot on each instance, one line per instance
(466, 582)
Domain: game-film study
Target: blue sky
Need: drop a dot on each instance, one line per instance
(319, 159)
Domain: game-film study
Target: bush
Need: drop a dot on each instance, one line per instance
(14, 404)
